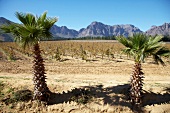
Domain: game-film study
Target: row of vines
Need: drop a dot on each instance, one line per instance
(11, 51)
(56, 50)
(80, 49)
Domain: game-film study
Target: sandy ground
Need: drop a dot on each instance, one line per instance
(108, 79)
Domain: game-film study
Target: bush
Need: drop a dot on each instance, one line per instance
(23, 95)
(82, 96)
(20, 95)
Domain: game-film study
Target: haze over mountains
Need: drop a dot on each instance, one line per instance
(96, 29)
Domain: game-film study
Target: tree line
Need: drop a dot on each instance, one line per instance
(166, 38)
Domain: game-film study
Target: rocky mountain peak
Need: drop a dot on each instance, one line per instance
(166, 26)
(64, 27)
(100, 29)
(96, 29)
(81, 30)
(96, 23)
(63, 32)
(4, 21)
(159, 30)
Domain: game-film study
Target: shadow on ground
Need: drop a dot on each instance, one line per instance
(115, 95)
(167, 89)
(151, 98)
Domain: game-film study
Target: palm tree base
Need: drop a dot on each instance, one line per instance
(136, 86)
(41, 91)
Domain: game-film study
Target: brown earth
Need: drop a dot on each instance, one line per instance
(106, 79)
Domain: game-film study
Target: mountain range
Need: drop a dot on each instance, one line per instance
(95, 29)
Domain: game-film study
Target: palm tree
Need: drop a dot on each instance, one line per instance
(140, 47)
(32, 30)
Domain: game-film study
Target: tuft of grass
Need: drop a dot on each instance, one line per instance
(1, 88)
(1, 85)
(23, 95)
(10, 90)
(18, 96)
(4, 77)
(82, 96)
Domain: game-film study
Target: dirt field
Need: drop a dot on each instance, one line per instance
(100, 83)
(107, 81)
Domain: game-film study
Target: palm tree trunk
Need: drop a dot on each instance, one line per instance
(41, 91)
(136, 85)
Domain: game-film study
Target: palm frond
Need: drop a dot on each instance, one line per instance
(124, 41)
(42, 17)
(158, 59)
(161, 52)
(139, 41)
(8, 28)
(128, 51)
(32, 29)
(154, 40)
(26, 18)
(21, 17)
(141, 46)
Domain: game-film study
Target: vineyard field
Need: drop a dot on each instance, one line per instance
(96, 66)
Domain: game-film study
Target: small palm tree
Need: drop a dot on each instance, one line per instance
(32, 30)
(140, 47)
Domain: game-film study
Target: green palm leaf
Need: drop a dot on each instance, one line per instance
(141, 46)
(32, 29)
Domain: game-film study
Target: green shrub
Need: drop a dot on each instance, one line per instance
(82, 96)
(20, 95)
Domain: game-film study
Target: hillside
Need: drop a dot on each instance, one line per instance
(95, 29)
(4, 36)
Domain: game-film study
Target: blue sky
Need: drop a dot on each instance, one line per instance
(76, 14)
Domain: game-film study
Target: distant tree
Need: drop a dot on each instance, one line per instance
(29, 33)
(57, 54)
(140, 47)
(96, 38)
(166, 38)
